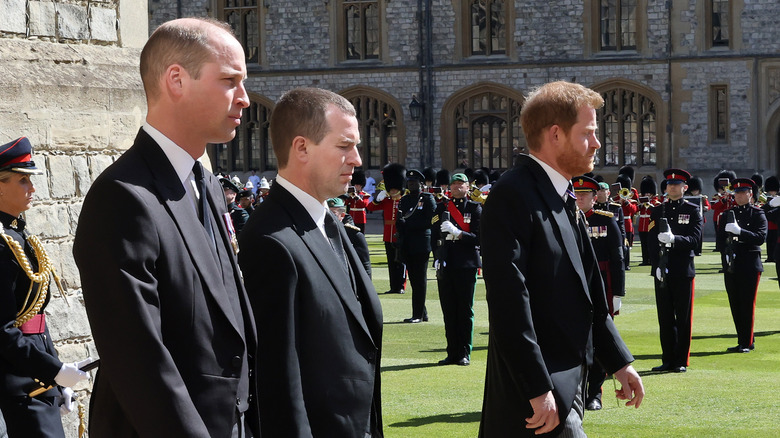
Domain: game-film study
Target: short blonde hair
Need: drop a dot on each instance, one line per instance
(554, 103)
(187, 42)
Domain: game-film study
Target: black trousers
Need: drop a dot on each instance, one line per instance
(674, 304)
(627, 248)
(456, 295)
(417, 266)
(643, 240)
(741, 289)
(32, 417)
(396, 270)
(771, 242)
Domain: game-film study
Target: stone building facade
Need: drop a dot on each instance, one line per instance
(692, 84)
(70, 83)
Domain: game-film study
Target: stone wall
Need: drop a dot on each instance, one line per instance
(71, 84)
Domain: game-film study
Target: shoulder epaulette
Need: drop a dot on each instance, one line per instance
(604, 213)
(615, 204)
(350, 226)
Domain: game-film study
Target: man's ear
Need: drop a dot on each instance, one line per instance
(300, 148)
(174, 80)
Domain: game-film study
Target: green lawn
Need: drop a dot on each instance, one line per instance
(721, 395)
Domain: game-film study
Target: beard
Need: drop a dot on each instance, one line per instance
(575, 163)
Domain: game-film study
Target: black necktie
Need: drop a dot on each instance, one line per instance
(571, 207)
(203, 203)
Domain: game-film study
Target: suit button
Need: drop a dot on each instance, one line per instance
(236, 361)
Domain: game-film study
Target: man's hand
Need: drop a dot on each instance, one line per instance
(381, 196)
(666, 237)
(545, 416)
(733, 228)
(631, 387)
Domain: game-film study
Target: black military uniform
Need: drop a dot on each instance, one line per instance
(28, 360)
(457, 263)
(415, 213)
(607, 244)
(674, 295)
(617, 210)
(742, 265)
(238, 215)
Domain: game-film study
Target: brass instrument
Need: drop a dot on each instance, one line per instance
(625, 193)
(380, 186)
(476, 195)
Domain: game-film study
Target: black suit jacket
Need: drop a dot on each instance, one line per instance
(169, 340)
(546, 302)
(319, 327)
(414, 223)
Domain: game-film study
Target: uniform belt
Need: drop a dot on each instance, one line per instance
(357, 209)
(35, 326)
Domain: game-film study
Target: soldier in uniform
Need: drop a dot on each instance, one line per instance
(723, 200)
(742, 262)
(630, 208)
(695, 185)
(604, 203)
(648, 199)
(772, 187)
(357, 200)
(415, 218)
(386, 201)
(238, 215)
(672, 251)
(28, 360)
(607, 243)
(457, 262)
(246, 199)
(429, 174)
(356, 237)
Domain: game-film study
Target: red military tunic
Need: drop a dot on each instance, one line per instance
(389, 208)
(356, 207)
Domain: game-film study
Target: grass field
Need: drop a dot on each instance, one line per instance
(721, 395)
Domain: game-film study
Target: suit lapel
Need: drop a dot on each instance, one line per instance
(321, 251)
(180, 208)
(558, 210)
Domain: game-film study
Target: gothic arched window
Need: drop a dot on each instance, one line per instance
(627, 129)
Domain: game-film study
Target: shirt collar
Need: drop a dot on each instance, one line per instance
(15, 223)
(315, 208)
(559, 182)
(181, 161)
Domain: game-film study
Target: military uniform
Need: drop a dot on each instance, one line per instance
(356, 207)
(394, 175)
(28, 360)
(416, 211)
(746, 267)
(674, 296)
(456, 275)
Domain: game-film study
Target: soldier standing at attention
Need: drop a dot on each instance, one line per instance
(672, 251)
(742, 265)
(387, 200)
(457, 262)
(415, 215)
(607, 243)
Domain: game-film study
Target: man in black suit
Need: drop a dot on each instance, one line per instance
(162, 289)
(671, 254)
(457, 262)
(319, 318)
(548, 309)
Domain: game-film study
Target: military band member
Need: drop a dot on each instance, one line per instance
(772, 187)
(647, 199)
(695, 196)
(607, 243)
(742, 263)
(429, 174)
(604, 203)
(672, 253)
(456, 269)
(28, 360)
(723, 199)
(357, 200)
(386, 201)
(415, 214)
(628, 201)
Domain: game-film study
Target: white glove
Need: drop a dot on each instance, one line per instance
(436, 264)
(70, 374)
(666, 237)
(616, 303)
(381, 196)
(658, 274)
(733, 228)
(68, 401)
(774, 202)
(452, 231)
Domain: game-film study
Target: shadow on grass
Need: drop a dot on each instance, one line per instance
(732, 336)
(411, 366)
(464, 417)
(440, 350)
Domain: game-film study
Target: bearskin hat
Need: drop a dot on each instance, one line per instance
(758, 179)
(730, 174)
(627, 171)
(648, 185)
(695, 183)
(394, 175)
(772, 184)
(624, 181)
(442, 178)
(480, 177)
(359, 178)
(429, 174)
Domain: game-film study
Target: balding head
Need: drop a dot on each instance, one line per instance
(188, 42)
